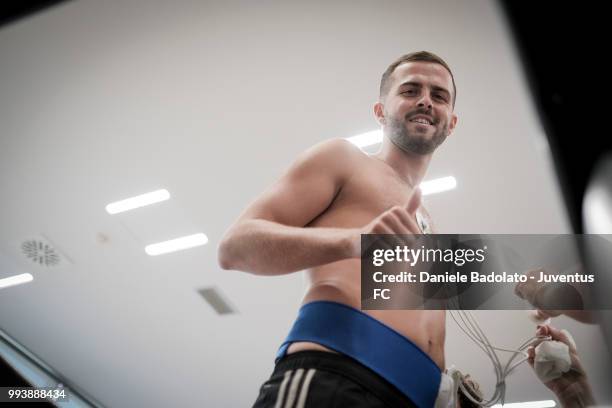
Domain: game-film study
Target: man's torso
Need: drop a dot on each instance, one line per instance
(372, 189)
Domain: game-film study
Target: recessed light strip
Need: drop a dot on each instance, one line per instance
(438, 185)
(138, 201)
(16, 280)
(177, 244)
(367, 139)
(528, 404)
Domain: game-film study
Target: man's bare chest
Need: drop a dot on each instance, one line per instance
(366, 196)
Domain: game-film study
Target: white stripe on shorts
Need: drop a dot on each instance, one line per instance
(295, 381)
(281, 389)
(304, 391)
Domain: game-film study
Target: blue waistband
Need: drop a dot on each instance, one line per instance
(380, 348)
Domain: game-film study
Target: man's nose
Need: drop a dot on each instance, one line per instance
(425, 102)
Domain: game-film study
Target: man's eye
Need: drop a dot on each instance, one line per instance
(440, 96)
(410, 92)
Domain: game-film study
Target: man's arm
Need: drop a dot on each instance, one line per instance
(269, 237)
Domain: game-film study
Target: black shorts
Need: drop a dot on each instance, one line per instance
(320, 379)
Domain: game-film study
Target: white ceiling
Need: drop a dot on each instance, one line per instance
(100, 101)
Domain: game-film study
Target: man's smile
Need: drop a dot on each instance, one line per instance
(422, 119)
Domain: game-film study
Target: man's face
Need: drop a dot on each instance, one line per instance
(417, 112)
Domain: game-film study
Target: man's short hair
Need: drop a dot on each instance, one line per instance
(422, 56)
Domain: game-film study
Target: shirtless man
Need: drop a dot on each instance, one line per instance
(312, 219)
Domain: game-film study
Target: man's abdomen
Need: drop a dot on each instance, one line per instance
(341, 282)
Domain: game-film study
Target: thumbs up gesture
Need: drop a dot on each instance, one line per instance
(397, 220)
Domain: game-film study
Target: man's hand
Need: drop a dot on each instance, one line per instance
(529, 291)
(397, 220)
(553, 299)
(572, 388)
(542, 315)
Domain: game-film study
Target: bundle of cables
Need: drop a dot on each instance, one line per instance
(469, 325)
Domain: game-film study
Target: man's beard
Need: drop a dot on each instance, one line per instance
(414, 143)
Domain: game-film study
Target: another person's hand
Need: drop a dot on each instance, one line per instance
(528, 290)
(572, 388)
(553, 299)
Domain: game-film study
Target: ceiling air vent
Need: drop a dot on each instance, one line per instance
(41, 252)
(216, 301)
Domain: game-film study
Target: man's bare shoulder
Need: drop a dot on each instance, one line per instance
(336, 155)
(338, 148)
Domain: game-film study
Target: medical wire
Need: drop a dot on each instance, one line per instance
(473, 330)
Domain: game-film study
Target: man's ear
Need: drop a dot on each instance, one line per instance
(452, 124)
(379, 113)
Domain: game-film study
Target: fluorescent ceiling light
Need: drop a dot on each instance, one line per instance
(438, 185)
(16, 280)
(528, 404)
(177, 244)
(367, 139)
(138, 201)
